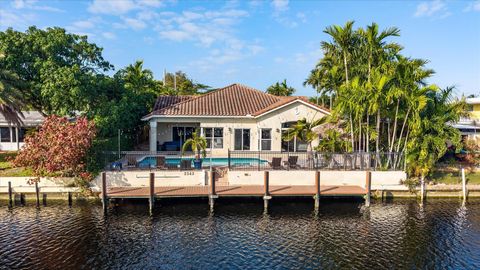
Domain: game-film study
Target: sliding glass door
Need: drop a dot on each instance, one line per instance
(242, 139)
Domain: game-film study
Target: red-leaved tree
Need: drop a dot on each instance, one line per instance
(58, 148)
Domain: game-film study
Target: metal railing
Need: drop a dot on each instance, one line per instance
(255, 160)
(271, 160)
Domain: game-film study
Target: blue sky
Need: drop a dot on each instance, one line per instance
(258, 42)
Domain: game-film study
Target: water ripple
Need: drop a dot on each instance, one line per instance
(442, 234)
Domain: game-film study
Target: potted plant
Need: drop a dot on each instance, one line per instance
(198, 144)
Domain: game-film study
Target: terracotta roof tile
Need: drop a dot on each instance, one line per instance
(233, 100)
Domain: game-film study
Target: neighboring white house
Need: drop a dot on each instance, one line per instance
(11, 136)
(235, 117)
(469, 126)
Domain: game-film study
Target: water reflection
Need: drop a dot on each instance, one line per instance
(182, 234)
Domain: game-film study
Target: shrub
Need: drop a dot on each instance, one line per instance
(59, 148)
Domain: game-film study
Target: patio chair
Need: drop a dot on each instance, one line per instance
(185, 164)
(132, 161)
(161, 164)
(276, 163)
(292, 162)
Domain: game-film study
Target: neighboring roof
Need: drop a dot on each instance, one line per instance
(30, 118)
(234, 100)
(166, 101)
(473, 100)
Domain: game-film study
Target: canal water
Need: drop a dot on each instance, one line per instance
(442, 234)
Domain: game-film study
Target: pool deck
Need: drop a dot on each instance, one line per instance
(233, 191)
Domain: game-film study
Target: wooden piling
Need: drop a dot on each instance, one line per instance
(44, 199)
(37, 192)
(464, 185)
(70, 199)
(22, 199)
(368, 187)
(213, 194)
(317, 190)
(10, 201)
(104, 191)
(266, 180)
(266, 187)
(151, 200)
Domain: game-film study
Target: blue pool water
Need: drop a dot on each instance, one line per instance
(151, 161)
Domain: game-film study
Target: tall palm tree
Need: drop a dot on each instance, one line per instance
(281, 89)
(343, 42)
(10, 96)
(138, 79)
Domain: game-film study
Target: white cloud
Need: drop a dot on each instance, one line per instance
(84, 24)
(151, 3)
(111, 7)
(280, 14)
(280, 6)
(473, 6)
(134, 23)
(10, 19)
(32, 4)
(109, 35)
(435, 8)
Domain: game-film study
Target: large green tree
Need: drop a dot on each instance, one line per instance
(59, 68)
(179, 83)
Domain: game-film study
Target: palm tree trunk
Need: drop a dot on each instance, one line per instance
(360, 134)
(367, 143)
(394, 135)
(351, 132)
(377, 141)
(346, 67)
(401, 133)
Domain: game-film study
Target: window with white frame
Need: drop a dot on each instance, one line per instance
(5, 135)
(242, 139)
(214, 137)
(266, 139)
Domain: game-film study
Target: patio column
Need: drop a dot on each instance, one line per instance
(153, 136)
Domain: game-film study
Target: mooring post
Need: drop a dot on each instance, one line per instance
(70, 198)
(10, 201)
(317, 190)
(151, 200)
(464, 185)
(422, 188)
(368, 187)
(44, 199)
(37, 192)
(266, 186)
(213, 192)
(104, 191)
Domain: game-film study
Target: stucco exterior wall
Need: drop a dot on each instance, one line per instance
(273, 120)
(162, 178)
(379, 180)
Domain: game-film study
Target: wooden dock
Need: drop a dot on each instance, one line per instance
(233, 191)
(212, 191)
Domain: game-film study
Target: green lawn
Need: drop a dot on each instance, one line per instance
(454, 177)
(6, 168)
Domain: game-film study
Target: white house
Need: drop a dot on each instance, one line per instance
(11, 136)
(235, 117)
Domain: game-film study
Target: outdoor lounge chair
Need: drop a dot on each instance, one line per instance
(161, 164)
(132, 161)
(185, 164)
(276, 163)
(292, 162)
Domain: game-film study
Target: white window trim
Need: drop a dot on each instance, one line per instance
(202, 132)
(250, 135)
(260, 146)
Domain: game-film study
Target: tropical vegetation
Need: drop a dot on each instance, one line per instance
(385, 97)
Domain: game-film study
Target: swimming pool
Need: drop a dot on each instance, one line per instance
(175, 161)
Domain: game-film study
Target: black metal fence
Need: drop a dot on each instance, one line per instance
(254, 160)
(271, 160)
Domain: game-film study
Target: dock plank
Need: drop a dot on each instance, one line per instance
(232, 191)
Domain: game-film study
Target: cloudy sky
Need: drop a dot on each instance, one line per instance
(258, 42)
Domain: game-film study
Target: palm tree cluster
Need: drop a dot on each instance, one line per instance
(10, 100)
(382, 94)
(280, 89)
